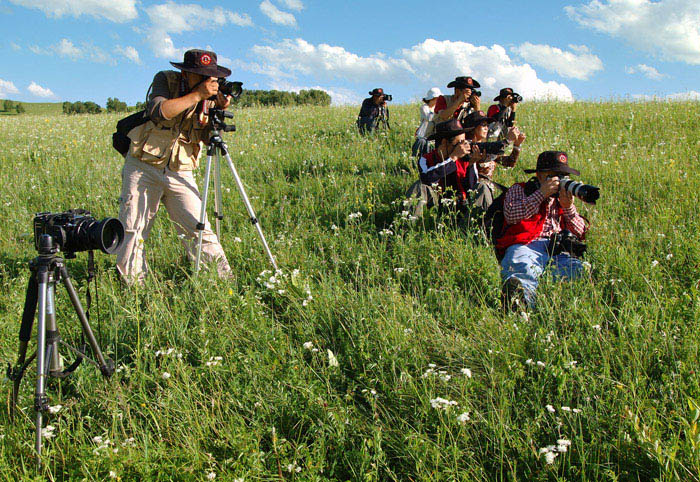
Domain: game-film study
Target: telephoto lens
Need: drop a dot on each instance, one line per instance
(584, 192)
(388, 97)
(76, 230)
(234, 89)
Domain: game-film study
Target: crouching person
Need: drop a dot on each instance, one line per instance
(534, 211)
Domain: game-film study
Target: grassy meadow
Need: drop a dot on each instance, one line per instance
(386, 355)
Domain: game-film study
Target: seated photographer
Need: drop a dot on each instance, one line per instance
(162, 155)
(483, 164)
(533, 212)
(503, 113)
(427, 112)
(367, 120)
(446, 166)
(463, 102)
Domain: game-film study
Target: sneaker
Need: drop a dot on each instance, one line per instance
(512, 294)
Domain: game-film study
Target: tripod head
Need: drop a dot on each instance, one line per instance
(217, 120)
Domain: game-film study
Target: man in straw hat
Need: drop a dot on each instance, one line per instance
(533, 212)
(162, 155)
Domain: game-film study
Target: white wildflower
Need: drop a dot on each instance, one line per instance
(407, 331)
(308, 345)
(332, 360)
(55, 409)
(463, 417)
(529, 361)
(565, 409)
(586, 265)
(166, 375)
(669, 256)
(541, 364)
(386, 232)
(576, 410)
(549, 457)
(211, 475)
(524, 315)
(550, 408)
(597, 327)
(237, 239)
(466, 372)
(356, 215)
(48, 431)
(112, 474)
(563, 445)
(654, 264)
(442, 404)
(399, 270)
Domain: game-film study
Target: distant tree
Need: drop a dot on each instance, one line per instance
(140, 106)
(87, 107)
(8, 105)
(115, 105)
(251, 98)
(20, 108)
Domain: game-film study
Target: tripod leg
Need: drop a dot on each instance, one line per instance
(248, 206)
(218, 198)
(203, 212)
(25, 333)
(54, 361)
(40, 401)
(105, 368)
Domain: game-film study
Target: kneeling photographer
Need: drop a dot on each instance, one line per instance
(161, 156)
(541, 226)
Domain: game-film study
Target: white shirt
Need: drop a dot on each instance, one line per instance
(426, 115)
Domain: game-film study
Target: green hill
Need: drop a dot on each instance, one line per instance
(40, 108)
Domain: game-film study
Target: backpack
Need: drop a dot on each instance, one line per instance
(120, 139)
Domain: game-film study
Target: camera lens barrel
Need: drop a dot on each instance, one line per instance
(585, 192)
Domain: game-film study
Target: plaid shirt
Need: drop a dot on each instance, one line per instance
(517, 207)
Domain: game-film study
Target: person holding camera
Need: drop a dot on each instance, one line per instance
(162, 156)
(427, 112)
(445, 167)
(463, 102)
(371, 110)
(534, 211)
(483, 164)
(503, 113)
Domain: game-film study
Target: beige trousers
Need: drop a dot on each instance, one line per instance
(144, 187)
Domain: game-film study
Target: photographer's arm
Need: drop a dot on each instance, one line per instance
(517, 206)
(173, 107)
(572, 220)
(449, 111)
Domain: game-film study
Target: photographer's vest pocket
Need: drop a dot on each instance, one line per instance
(158, 146)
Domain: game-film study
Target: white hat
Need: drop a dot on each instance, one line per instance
(432, 93)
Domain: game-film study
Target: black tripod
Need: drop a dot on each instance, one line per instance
(383, 118)
(46, 270)
(218, 146)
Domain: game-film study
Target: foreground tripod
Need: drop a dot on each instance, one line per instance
(218, 146)
(46, 270)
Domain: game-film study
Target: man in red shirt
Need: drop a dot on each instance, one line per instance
(463, 102)
(533, 212)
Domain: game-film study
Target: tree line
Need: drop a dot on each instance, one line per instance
(10, 106)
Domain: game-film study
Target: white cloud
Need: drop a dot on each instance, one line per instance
(669, 29)
(39, 91)
(431, 62)
(579, 63)
(293, 4)
(7, 87)
(114, 10)
(67, 49)
(646, 70)
(171, 17)
(276, 15)
(129, 52)
(679, 96)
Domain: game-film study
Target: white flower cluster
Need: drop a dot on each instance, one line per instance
(213, 361)
(463, 417)
(407, 216)
(447, 202)
(552, 451)
(48, 431)
(169, 352)
(540, 364)
(55, 409)
(442, 403)
(270, 280)
(308, 298)
(353, 216)
(386, 232)
(310, 346)
(371, 392)
(102, 443)
(293, 467)
(335, 229)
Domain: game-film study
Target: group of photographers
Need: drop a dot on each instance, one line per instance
(459, 169)
(526, 222)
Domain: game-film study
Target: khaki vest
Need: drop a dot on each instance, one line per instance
(175, 142)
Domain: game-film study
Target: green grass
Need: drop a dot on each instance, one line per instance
(387, 307)
(38, 108)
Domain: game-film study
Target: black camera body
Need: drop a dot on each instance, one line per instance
(517, 98)
(387, 97)
(476, 93)
(566, 242)
(496, 147)
(76, 230)
(234, 89)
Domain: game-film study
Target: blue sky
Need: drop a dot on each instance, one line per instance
(55, 50)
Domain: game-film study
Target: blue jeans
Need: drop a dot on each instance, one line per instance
(527, 262)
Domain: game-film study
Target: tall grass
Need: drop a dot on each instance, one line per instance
(408, 310)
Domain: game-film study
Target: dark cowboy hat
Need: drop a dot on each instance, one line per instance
(377, 91)
(476, 118)
(556, 161)
(505, 92)
(202, 62)
(464, 83)
(448, 129)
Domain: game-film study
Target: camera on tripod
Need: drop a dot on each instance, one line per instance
(76, 230)
(387, 97)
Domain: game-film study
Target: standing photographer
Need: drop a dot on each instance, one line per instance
(162, 155)
(534, 211)
(503, 113)
(463, 102)
(371, 108)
